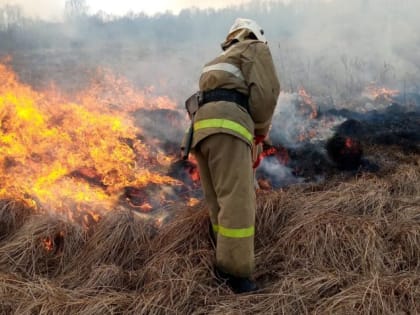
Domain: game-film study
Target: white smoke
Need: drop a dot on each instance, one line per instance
(291, 128)
(278, 174)
(45, 9)
(331, 48)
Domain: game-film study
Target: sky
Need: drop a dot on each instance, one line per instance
(47, 9)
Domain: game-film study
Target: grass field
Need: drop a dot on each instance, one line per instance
(350, 245)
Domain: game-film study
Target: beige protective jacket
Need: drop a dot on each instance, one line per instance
(247, 67)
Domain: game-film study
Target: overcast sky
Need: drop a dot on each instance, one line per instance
(54, 8)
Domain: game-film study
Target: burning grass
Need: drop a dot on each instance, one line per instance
(349, 245)
(41, 247)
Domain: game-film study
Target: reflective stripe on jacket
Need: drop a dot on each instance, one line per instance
(248, 68)
(227, 67)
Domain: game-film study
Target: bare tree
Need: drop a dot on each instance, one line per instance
(75, 9)
(11, 16)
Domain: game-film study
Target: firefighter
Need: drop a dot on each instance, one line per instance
(238, 93)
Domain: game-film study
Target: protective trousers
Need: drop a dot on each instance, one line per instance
(225, 165)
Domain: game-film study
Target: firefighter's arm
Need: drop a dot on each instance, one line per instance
(263, 85)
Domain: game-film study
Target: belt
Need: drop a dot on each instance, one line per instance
(227, 95)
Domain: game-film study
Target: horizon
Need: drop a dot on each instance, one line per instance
(54, 10)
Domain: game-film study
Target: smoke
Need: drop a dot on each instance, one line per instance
(296, 122)
(278, 174)
(333, 49)
(341, 46)
(46, 9)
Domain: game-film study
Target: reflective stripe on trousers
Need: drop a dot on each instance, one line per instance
(234, 233)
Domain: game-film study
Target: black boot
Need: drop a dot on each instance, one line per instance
(237, 284)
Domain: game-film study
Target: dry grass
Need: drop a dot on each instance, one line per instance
(350, 245)
(41, 247)
(13, 214)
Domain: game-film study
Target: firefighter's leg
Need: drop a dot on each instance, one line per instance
(230, 166)
(206, 184)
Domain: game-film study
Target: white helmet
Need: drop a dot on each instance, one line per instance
(250, 25)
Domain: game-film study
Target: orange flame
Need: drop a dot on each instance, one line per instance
(308, 103)
(116, 91)
(380, 93)
(349, 143)
(308, 108)
(279, 152)
(45, 138)
(192, 202)
(48, 244)
(193, 171)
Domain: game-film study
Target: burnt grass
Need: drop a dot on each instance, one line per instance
(395, 126)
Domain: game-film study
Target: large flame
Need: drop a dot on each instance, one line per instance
(80, 154)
